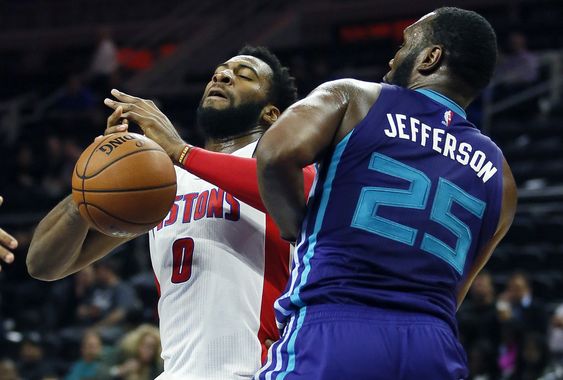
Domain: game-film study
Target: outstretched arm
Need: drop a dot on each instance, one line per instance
(63, 243)
(235, 175)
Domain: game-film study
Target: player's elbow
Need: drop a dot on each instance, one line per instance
(271, 156)
(39, 269)
(266, 158)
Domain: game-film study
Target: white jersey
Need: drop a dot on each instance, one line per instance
(208, 257)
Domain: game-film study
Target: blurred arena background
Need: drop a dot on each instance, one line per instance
(60, 58)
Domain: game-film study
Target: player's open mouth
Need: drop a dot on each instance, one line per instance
(217, 94)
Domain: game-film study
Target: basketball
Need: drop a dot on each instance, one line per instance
(124, 184)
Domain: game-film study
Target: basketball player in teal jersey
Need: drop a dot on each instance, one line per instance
(409, 202)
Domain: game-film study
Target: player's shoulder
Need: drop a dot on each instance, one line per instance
(354, 93)
(351, 87)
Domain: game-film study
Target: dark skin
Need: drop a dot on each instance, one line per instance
(310, 128)
(63, 243)
(7, 244)
(249, 76)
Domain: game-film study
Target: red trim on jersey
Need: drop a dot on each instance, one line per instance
(238, 177)
(156, 283)
(276, 274)
(235, 175)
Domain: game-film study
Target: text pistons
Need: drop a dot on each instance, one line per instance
(214, 203)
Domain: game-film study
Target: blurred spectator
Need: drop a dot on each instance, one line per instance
(53, 183)
(31, 363)
(140, 350)
(517, 70)
(519, 66)
(62, 156)
(103, 305)
(110, 303)
(481, 357)
(509, 347)
(65, 297)
(89, 366)
(28, 172)
(8, 370)
(76, 97)
(533, 358)
(556, 335)
(478, 314)
(518, 304)
(105, 62)
(72, 152)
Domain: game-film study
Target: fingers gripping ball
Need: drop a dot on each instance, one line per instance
(124, 184)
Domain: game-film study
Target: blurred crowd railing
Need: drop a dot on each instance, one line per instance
(548, 90)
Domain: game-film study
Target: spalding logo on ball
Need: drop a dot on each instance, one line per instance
(107, 148)
(124, 185)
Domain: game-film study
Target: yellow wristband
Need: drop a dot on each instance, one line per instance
(184, 154)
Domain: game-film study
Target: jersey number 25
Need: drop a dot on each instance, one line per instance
(416, 197)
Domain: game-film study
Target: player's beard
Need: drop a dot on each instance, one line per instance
(229, 122)
(402, 75)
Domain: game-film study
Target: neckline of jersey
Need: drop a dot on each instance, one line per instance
(444, 100)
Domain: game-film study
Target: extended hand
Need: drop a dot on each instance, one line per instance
(7, 242)
(114, 124)
(152, 121)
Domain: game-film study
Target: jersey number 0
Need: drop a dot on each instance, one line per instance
(182, 254)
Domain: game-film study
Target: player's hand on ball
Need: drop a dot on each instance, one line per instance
(115, 123)
(152, 121)
(7, 243)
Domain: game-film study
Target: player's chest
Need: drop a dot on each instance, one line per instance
(193, 206)
(204, 211)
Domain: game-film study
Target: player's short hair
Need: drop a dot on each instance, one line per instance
(283, 91)
(470, 44)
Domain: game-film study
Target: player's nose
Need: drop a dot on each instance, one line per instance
(224, 76)
(391, 63)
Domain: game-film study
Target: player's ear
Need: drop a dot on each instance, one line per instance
(432, 57)
(270, 114)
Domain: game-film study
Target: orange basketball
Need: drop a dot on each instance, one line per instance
(124, 184)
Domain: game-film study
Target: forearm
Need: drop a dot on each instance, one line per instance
(63, 244)
(56, 242)
(235, 175)
(281, 188)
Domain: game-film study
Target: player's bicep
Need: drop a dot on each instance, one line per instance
(306, 129)
(508, 210)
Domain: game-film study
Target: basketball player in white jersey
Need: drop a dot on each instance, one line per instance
(7, 244)
(219, 261)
